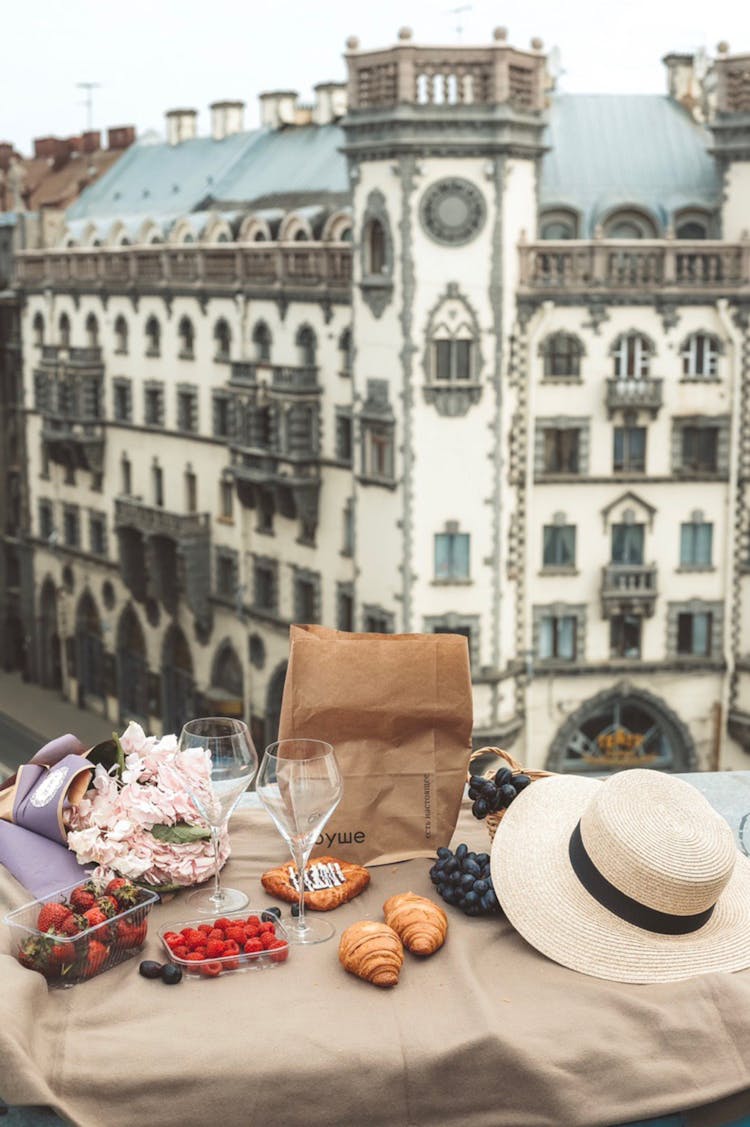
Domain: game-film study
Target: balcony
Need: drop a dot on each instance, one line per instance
(290, 483)
(284, 378)
(644, 266)
(319, 268)
(165, 555)
(74, 442)
(629, 589)
(634, 395)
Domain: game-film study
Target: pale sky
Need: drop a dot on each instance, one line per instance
(153, 55)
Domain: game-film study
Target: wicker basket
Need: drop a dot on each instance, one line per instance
(492, 821)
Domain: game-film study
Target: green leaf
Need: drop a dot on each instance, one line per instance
(181, 834)
(120, 755)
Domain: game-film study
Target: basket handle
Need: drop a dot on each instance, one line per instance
(505, 756)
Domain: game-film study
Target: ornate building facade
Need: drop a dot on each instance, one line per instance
(446, 351)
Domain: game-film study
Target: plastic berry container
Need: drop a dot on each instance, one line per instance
(217, 965)
(65, 960)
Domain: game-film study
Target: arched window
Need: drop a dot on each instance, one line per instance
(630, 224)
(375, 252)
(559, 223)
(306, 347)
(153, 337)
(693, 224)
(632, 356)
(63, 328)
(223, 339)
(37, 329)
(345, 352)
(227, 671)
(262, 341)
(300, 235)
(186, 335)
(700, 355)
(121, 336)
(92, 331)
(562, 355)
(259, 236)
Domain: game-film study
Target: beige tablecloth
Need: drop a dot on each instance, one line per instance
(486, 1032)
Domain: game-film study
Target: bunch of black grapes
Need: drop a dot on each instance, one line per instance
(491, 795)
(463, 880)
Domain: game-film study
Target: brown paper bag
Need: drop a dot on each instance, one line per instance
(398, 710)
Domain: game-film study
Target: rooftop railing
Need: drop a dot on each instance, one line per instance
(227, 266)
(646, 264)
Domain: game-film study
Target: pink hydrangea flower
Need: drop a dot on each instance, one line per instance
(112, 824)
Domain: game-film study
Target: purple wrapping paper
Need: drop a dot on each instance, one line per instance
(40, 795)
(40, 865)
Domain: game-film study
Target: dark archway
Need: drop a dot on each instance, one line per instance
(178, 687)
(273, 702)
(619, 728)
(89, 650)
(226, 695)
(132, 667)
(50, 655)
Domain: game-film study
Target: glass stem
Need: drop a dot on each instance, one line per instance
(299, 856)
(216, 897)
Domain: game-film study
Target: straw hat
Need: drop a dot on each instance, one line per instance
(635, 879)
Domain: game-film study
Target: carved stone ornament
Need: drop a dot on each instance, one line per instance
(453, 211)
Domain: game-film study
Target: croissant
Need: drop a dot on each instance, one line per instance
(372, 951)
(421, 924)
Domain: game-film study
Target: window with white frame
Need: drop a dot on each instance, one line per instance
(632, 356)
(696, 542)
(700, 356)
(557, 637)
(452, 554)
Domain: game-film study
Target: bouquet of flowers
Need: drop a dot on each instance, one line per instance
(138, 818)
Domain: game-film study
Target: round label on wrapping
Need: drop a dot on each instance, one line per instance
(48, 787)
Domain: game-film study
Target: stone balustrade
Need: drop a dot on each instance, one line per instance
(628, 589)
(645, 265)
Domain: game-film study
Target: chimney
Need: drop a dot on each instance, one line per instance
(92, 141)
(683, 83)
(227, 118)
(45, 147)
(330, 102)
(278, 107)
(120, 136)
(181, 125)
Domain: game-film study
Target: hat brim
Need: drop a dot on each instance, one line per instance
(549, 907)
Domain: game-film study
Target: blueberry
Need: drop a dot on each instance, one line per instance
(295, 910)
(171, 974)
(271, 914)
(503, 776)
(480, 809)
(444, 853)
(521, 782)
(150, 969)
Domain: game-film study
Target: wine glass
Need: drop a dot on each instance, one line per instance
(299, 784)
(234, 762)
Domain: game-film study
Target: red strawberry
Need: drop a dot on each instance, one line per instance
(34, 954)
(108, 906)
(52, 915)
(131, 933)
(96, 956)
(124, 892)
(71, 925)
(62, 952)
(95, 916)
(81, 899)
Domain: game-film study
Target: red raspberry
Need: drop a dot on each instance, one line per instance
(172, 938)
(224, 923)
(236, 934)
(216, 933)
(186, 931)
(215, 948)
(251, 930)
(211, 970)
(231, 947)
(180, 951)
(230, 964)
(252, 946)
(205, 928)
(194, 957)
(279, 951)
(267, 939)
(253, 921)
(268, 926)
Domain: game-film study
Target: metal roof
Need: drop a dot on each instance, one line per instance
(610, 150)
(605, 150)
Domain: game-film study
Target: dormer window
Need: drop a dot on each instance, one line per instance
(559, 223)
(630, 224)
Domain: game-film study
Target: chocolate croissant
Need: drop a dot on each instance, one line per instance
(421, 924)
(372, 951)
